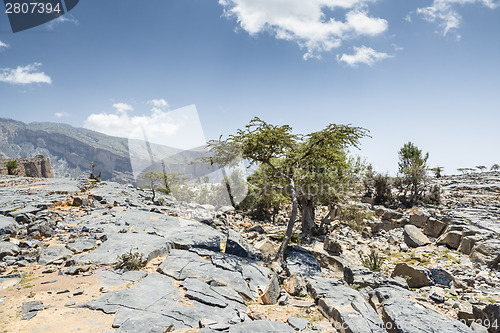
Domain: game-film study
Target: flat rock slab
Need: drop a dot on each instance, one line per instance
(10, 280)
(155, 305)
(54, 253)
(350, 311)
(400, 312)
(363, 277)
(149, 246)
(117, 278)
(417, 277)
(180, 233)
(182, 264)
(261, 326)
(82, 244)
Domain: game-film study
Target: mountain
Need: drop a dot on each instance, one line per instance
(72, 150)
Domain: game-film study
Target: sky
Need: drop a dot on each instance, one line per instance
(421, 71)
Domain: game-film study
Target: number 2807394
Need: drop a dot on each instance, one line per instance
(32, 8)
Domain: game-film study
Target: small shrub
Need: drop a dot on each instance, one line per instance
(11, 166)
(131, 261)
(373, 261)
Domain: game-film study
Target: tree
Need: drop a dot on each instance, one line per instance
(92, 175)
(11, 167)
(307, 168)
(495, 167)
(437, 171)
(156, 179)
(481, 168)
(413, 165)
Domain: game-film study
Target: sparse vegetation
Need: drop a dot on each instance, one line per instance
(11, 167)
(131, 261)
(412, 168)
(495, 167)
(373, 261)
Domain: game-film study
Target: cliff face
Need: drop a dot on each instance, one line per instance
(31, 167)
(71, 150)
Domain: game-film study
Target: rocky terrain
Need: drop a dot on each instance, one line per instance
(72, 150)
(207, 269)
(39, 166)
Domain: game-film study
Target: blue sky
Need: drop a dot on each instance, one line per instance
(421, 71)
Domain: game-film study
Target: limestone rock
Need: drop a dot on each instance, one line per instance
(419, 219)
(54, 253)
(450, 238)
(295, 284)
(417, 277)
(266, 247)
(434, 227)
(332, 245)
(414, 237)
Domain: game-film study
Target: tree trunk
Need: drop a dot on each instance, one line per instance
(307, 211)
(280, 256)
(228, 188)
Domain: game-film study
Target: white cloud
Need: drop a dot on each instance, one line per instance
(363, 55)
(123, 108)
(62, 19)
(3, 45)
(61, 114)
(305, 21)
(445, 14)
(159, 103)
(24, 75)
(180, 129)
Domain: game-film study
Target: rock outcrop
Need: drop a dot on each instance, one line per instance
(38, 166)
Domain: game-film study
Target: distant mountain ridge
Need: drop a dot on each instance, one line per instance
(72, 150)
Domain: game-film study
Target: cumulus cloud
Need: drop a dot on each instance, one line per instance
(180, 128)
(3, 45)
(363, 55)
(123, 108)
(24, 75)
(306, 21)
(61, 114)
(445, 14)
(159, 103)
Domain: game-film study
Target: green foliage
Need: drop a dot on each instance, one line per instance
(11, 166)
(434, 195)
(92, 174)
(355, 217)
(438, 171)
(412, 166)
(481, 167)
(495, 167)
(131, 261)
(373, 261)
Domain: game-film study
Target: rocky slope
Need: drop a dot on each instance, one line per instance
(71, 151)
(206, 267)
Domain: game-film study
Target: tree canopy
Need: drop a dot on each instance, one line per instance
(305, 168)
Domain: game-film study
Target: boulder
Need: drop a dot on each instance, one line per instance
(416, 277)
(298, 324)
(8, 226)
(486, 252)
(295, 284)
(419, 219)
(451, 239)
(332, 245)
(441, 277)
(434, 227)
(272, 292)
(238, 246)
(300, 260)
(489, 314)
(468, 242)
(8, 249)
(414, 237)
(266, 247)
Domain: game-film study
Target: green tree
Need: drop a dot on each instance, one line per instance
(412, 166)
(495, 167)
(481, 168)
(307, 168)
(11, 167)
(156, 179)
(438, 171)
